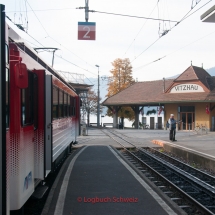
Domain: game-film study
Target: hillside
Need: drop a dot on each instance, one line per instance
(211, 71)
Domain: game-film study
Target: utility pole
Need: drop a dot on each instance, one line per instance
(98, 102)
(86, 10)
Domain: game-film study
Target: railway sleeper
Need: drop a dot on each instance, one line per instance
(126, 156)
(184, 206)
(156, 182)
(140, 168)
(151, 177)
(159, 184)
(168, 193)
(162, 186)
(175, 199)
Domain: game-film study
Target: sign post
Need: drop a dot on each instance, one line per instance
(86, 30)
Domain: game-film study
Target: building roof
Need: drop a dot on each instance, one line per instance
(80, 87)
(158, 92)
(193, 73)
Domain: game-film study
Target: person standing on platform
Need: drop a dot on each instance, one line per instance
(172, 128)
(167, 124)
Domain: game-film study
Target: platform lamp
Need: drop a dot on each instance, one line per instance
(98, 104)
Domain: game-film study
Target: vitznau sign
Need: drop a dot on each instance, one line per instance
(187, 88)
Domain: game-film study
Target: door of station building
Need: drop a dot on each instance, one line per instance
(152, 123)
(213, 123)
(187, 117)
(187, 121)
(159, 122)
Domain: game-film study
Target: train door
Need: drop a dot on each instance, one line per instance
(48, 124)
(43, 126)
(39, 134)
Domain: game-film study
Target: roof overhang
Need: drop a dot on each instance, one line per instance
(209, 15)
(162, 103)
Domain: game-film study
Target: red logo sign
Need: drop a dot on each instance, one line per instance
(86, 30)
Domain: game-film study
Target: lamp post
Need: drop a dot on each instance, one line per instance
(98, 105)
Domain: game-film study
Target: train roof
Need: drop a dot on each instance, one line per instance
(23, 45)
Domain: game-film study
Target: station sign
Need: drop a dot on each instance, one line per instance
(86, 30)
(187, 88)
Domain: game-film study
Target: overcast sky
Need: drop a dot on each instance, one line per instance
(54, 23)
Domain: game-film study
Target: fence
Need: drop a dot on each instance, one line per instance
(198, 129)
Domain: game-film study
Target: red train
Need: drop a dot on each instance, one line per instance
(42, 119)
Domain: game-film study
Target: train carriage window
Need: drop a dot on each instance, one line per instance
(7, 98)
(65, 104)
(28, 101)
(55, 103)
(72, 106)
(6, 54)
(68, 105)
(60, 104)
(74, 109)
(35, 101)
(7, 85)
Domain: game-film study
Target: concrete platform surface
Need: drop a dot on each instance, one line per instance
(204, 143)
(98, 181)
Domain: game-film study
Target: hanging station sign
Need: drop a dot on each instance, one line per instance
(187, 88)
(86, 30)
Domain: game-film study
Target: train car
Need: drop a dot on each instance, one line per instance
(42, 115)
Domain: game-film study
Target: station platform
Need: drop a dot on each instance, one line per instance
(96, 180)
(192, 147)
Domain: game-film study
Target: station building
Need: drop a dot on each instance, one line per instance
(190, 97)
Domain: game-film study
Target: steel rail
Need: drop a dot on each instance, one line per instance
(187, 168)
(208, 188)
(190, 199)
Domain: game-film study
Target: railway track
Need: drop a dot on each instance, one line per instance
(192, 189)
(190, 170)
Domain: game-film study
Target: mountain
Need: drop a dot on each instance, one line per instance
(211, 71)
(102, 86)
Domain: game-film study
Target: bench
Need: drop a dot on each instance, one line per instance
(93, 124)
(107, 124)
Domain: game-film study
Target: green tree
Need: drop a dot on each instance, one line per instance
(121, 78)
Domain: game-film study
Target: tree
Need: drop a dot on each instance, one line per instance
(121, 78)
(91, 104)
